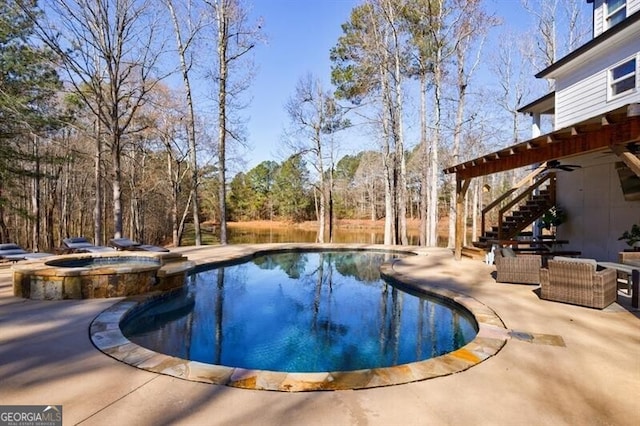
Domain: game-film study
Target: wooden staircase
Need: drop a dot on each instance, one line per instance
(518, 208)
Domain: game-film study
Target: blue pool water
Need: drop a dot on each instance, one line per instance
(300, 312)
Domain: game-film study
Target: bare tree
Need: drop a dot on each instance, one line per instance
(368, 65)
(184, 42)
(437, 38)
(510, 63)
(109, 50)
(560, 28)
(470, 29)
(315, 116)
(420, 66)
(234, 38)
(392, 12)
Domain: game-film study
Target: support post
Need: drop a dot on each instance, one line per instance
(461, 190)
(535, 125)
(635, 287)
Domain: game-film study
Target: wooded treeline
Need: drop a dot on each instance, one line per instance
(101, 136)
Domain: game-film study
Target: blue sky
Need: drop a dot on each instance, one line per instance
(300, 34)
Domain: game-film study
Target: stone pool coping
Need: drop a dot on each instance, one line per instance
(492, 335)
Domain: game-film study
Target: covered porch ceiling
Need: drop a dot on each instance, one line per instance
(618, 131)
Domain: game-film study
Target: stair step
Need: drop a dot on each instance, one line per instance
(525, 212)
(474, 253)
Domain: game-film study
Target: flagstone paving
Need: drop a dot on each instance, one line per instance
(559, 364)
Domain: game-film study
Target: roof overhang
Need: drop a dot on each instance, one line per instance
(620, 31)
(615, 128)
(543, 105)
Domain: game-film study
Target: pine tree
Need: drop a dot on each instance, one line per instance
(28, 82)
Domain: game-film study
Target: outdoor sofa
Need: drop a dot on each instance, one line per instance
(578, 282)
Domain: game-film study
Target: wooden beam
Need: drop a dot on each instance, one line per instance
(629, 158)
(599, 138)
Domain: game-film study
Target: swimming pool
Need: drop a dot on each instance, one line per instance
(300, 312)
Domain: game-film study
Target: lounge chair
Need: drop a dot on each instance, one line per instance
(14, 253)
(577, 281)
(82, 245)
(520, 268)
(127, 244)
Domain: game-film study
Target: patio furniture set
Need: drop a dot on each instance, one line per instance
(577, 281)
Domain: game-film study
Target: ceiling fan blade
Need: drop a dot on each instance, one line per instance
(556, 165)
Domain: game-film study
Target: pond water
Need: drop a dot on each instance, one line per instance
(300, 312)
(246, 234)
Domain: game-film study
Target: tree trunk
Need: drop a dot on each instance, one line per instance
(117, 185)
(4, 229)
(331, 203)
(35, 198)
(457, 132)
(433, 181)
(97, 212)
(64, 196)
(191, 129)
(174, 200)
(222, 18)
(323, 196)
(398, 133)
(400, 157)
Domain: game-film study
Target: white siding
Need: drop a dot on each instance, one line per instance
(599, 16)
(582, 93)
(597, 213)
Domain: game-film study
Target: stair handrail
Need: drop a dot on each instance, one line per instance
(527, 180)
(527, 193)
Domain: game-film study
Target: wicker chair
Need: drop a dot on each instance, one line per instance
(629, 257)
(523, 268)
(576, 281)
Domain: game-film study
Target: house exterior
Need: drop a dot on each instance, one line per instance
(601, 75)
(596, 110)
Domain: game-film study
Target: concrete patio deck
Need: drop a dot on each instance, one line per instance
(46, 357)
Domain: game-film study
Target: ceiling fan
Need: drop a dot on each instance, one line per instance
(556, 165)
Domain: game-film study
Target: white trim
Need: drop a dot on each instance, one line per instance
(610, 95)
(609, 13)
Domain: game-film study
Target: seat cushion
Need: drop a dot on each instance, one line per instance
(576, 260)
(508, 252)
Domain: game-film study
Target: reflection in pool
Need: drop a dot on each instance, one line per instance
(300, 312)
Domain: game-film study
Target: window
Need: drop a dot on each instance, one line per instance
(616, 11)
(623, 77)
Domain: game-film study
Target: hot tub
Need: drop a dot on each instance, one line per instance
(99, 275)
